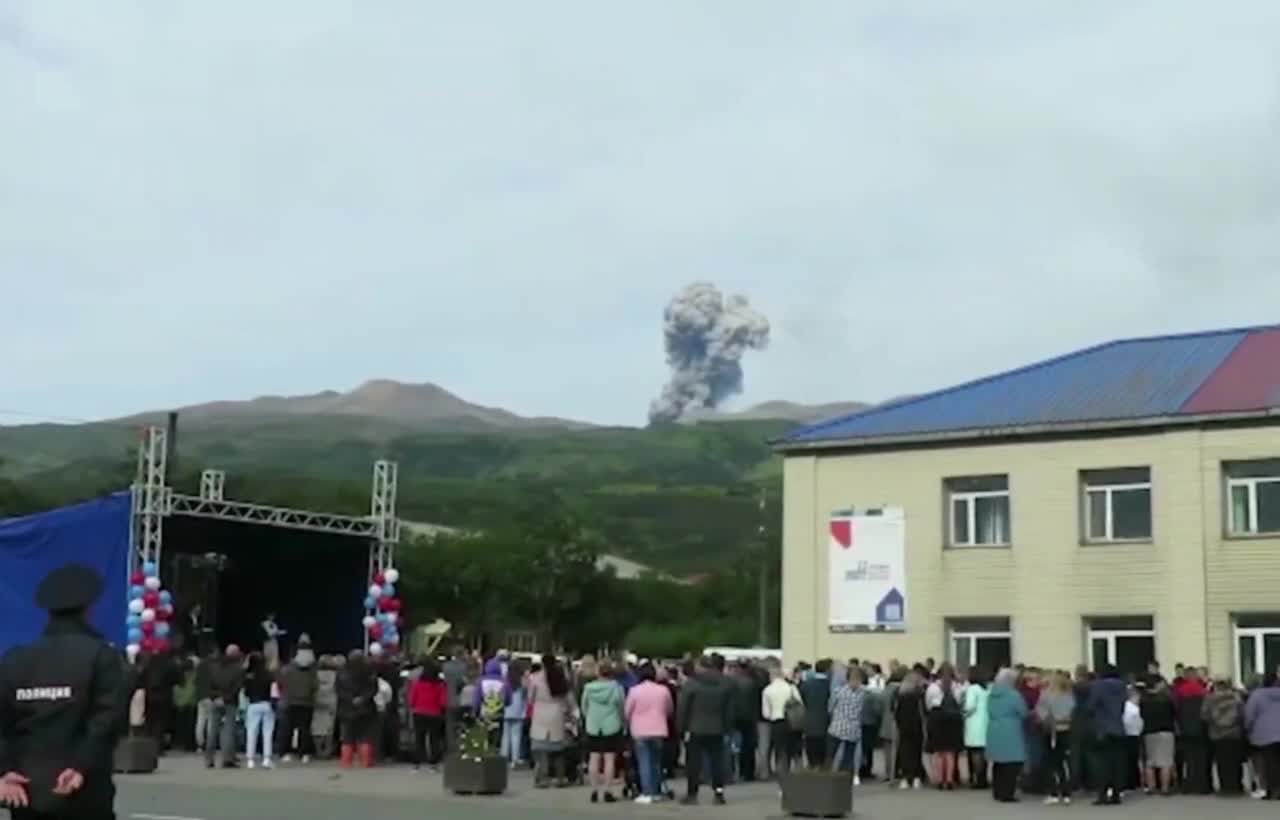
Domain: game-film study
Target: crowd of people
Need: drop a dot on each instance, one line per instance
(624, 726)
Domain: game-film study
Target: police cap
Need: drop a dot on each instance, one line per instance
(69, 588)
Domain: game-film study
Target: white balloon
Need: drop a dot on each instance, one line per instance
(148, 615)
(375, 649)
(152, 583)
(136, 606)
(369, 621)
(392, 575)
(132, 650)
(375, 591)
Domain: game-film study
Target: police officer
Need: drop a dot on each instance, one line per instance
(61, 709)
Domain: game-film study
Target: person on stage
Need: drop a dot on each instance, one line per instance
(271, 644)
(62, 709)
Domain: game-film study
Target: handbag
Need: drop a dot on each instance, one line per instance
(794, 712)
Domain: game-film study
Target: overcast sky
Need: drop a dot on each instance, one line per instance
(217, 200)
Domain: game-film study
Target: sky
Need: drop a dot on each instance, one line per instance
(220, 200)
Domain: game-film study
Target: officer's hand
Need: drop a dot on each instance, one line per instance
(68, 782)
(13, 791)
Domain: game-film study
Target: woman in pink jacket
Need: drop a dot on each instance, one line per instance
(648, 708)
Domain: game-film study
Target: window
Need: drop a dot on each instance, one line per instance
(1253, 496)
(978, 508)
(1128, 644)
(1117, 504)
(1257, 645)
(981, 643)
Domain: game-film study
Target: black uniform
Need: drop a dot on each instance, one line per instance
(62, 707)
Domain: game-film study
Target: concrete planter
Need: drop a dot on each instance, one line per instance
(487, 775)
(136, 755)
(817, 793)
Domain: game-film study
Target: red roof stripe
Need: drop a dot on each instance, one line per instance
(1247, 380)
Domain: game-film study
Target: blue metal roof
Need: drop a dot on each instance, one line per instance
(1128, 379)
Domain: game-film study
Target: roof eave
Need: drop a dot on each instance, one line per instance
(1018, 431)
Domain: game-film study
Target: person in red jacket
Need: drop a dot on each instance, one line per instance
(428, 699)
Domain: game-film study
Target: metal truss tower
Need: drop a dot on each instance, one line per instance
(153, 501)
(150, 499)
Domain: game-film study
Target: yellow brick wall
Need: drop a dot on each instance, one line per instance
(1188, 579)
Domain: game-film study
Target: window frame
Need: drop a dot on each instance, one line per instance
(970, 662)
(1266, 625)
(1109, 489)
(970, 498)
(1250, 485)
(1100, 633)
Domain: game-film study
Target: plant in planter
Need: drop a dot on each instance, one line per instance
(476, 768)
(817, 793)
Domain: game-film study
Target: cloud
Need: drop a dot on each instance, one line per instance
(201, 201)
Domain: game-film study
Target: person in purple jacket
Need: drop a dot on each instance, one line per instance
(1262, 722)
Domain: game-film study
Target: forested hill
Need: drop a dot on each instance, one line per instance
(682, 498)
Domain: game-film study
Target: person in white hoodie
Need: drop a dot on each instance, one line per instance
(780, 696)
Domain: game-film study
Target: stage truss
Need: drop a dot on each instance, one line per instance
(154, 501)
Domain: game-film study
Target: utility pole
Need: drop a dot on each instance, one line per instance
(761, 538)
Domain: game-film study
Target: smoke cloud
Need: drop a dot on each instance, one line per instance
(706, 334)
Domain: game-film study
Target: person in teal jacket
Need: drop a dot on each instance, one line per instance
(975, 729)
(603, 700)
(1006, 741)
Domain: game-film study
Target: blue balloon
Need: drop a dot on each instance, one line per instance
(162, 629)
(388, 590)
(135, 635)
(384, 618)
(133, 620)
(369, 603)
(149, 568)
(166, 597)
(137, 591)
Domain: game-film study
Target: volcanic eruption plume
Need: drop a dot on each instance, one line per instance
(705, 334)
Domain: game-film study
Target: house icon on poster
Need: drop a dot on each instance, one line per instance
(889, 612)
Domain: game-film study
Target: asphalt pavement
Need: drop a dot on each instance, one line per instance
(184, 790)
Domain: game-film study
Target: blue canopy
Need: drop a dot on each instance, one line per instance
(95, 533)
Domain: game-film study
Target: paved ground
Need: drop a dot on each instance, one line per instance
(184, 790)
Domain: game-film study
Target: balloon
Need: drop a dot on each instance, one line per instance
(391, 604)
(388, 591)
(166, 597)
(370, 602)
(164, 613)
(135, 635)
(151, 599)
(375, 649)
(390, 636)
(379, 578)
(159, 645)
(148, 628)
(369, 621)
(148, 615)
(152, 583)
(393, 575)
(162, 629)
(375, 632)
(392, 640)
(132, 650)
(149, 568)
(136, 591)
(138, 578)
(132, 621)
(375, 591)
(136, 606)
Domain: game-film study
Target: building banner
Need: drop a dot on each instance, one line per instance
(867, 570)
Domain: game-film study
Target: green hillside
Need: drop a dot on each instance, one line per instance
(682, 498)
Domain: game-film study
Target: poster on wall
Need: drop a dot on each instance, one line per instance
(867, 568)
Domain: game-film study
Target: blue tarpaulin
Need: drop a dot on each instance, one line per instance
(95, 533)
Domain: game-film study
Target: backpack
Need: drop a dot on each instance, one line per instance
(493, 706)
(794, 712)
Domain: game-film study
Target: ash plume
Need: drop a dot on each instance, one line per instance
(706, 334)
